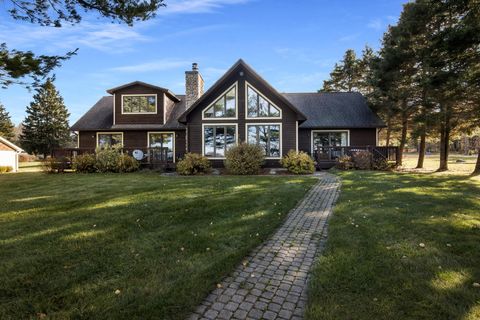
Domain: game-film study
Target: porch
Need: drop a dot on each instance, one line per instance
(326, 157)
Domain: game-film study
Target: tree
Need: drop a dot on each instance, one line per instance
(46, 125)
(6, 125)
(17, 66)
(345, 76)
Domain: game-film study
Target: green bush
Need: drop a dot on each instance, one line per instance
(298, 162)
(85, 163)
(192, 164)
(4, 169)
(362, 160)
(127, 163)
(56, 165)
(107, 159)
(344, 163)
(244, 159)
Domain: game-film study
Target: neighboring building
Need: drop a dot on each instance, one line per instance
(9, 154)
(240, 106)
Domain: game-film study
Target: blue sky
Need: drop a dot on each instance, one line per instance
(292, 44)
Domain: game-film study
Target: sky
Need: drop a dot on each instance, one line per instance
(292, 44)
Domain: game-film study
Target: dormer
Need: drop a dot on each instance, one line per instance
(141, 103)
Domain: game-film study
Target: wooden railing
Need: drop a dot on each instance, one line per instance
(145, 155)
(331, 154)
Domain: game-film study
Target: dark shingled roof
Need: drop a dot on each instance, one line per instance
(334, 110)
(100, 117)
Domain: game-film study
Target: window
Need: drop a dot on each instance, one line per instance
(109, 139)
(162, 144)
(217, 139)
(259, 107)
(224, 107)
(329, 139)
(139, 103)
(266, 136)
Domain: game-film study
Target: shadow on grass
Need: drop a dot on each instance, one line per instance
(374, 268)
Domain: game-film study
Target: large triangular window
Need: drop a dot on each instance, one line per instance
(259, 106)
(223, 107)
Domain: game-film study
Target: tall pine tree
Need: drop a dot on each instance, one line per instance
(6, 125)
(46, 125)
(346, 75)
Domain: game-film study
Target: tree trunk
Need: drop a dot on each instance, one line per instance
(403, 139)
(477, 166)
(421, 151)
(389, 131)
(444, 143)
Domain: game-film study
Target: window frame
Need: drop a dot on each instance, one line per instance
(139, 95)
(220, 96)
(249, 124)
(110, 133)
(217, 125)
(169, 132)
(247, 84)
(337, 130)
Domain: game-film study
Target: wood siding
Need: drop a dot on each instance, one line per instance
(288, 121)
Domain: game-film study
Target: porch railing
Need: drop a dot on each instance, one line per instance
(331, 154)
(145, 155)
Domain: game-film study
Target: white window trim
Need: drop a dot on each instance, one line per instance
(173, 141)
(267, 124)
(139, 95)
(235, 85)
(247, 84)
(344, 130)
(296, 136)
(109, 132)
(217, 125)
(164, 108)
(114, 110)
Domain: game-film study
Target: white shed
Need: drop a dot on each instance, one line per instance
(9, 154)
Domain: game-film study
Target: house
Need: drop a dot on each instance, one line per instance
(9, 154)
(154, 123)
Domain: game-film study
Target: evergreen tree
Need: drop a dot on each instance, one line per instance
(46, 125)
(345, 76)
(6, 125)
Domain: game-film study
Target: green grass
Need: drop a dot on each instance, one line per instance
(378, 270)
(68, 242)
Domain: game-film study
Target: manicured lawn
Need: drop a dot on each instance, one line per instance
(68, 242)
(374, 268)
(432, 162)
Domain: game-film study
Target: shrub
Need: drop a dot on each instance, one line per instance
(380, 163)
(4, 169)
(362, 160)
(192, 164)
(298, 162)
(344, 163)
(107, 159)
(127, 163)
(85, 163)
(25, 157)
(56, 165)
(244, 159)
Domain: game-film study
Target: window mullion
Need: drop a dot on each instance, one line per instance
(268, 142)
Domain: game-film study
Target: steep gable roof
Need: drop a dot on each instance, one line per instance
(165, 90)
(335, 110)
(218, 83)
(11, 145)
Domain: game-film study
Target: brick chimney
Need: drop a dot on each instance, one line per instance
(193, 85)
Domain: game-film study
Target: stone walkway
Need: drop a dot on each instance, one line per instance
(271, 283)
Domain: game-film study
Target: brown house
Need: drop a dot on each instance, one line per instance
(155, 124)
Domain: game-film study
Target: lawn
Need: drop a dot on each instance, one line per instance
(135, 246)
(375, 267)
(457, 163)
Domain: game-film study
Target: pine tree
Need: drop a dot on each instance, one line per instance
(6, 125)
(345, 76)
(46, 125)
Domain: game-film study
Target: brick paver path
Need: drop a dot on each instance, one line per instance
(271, 283)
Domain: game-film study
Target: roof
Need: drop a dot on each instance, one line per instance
(240, 62)
(334, 110)
(10, 144)
(100, 117)
(165, 90)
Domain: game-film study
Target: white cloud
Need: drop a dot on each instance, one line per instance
(376, 24)
(196, 6)
(156, 65)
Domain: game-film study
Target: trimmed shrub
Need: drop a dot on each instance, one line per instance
(244, 159)
(344, 163)
(298, 162)
(56, 165)
(85, 163)
(127, 163)
(4, 169)
(362, 160)
(192, 164)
